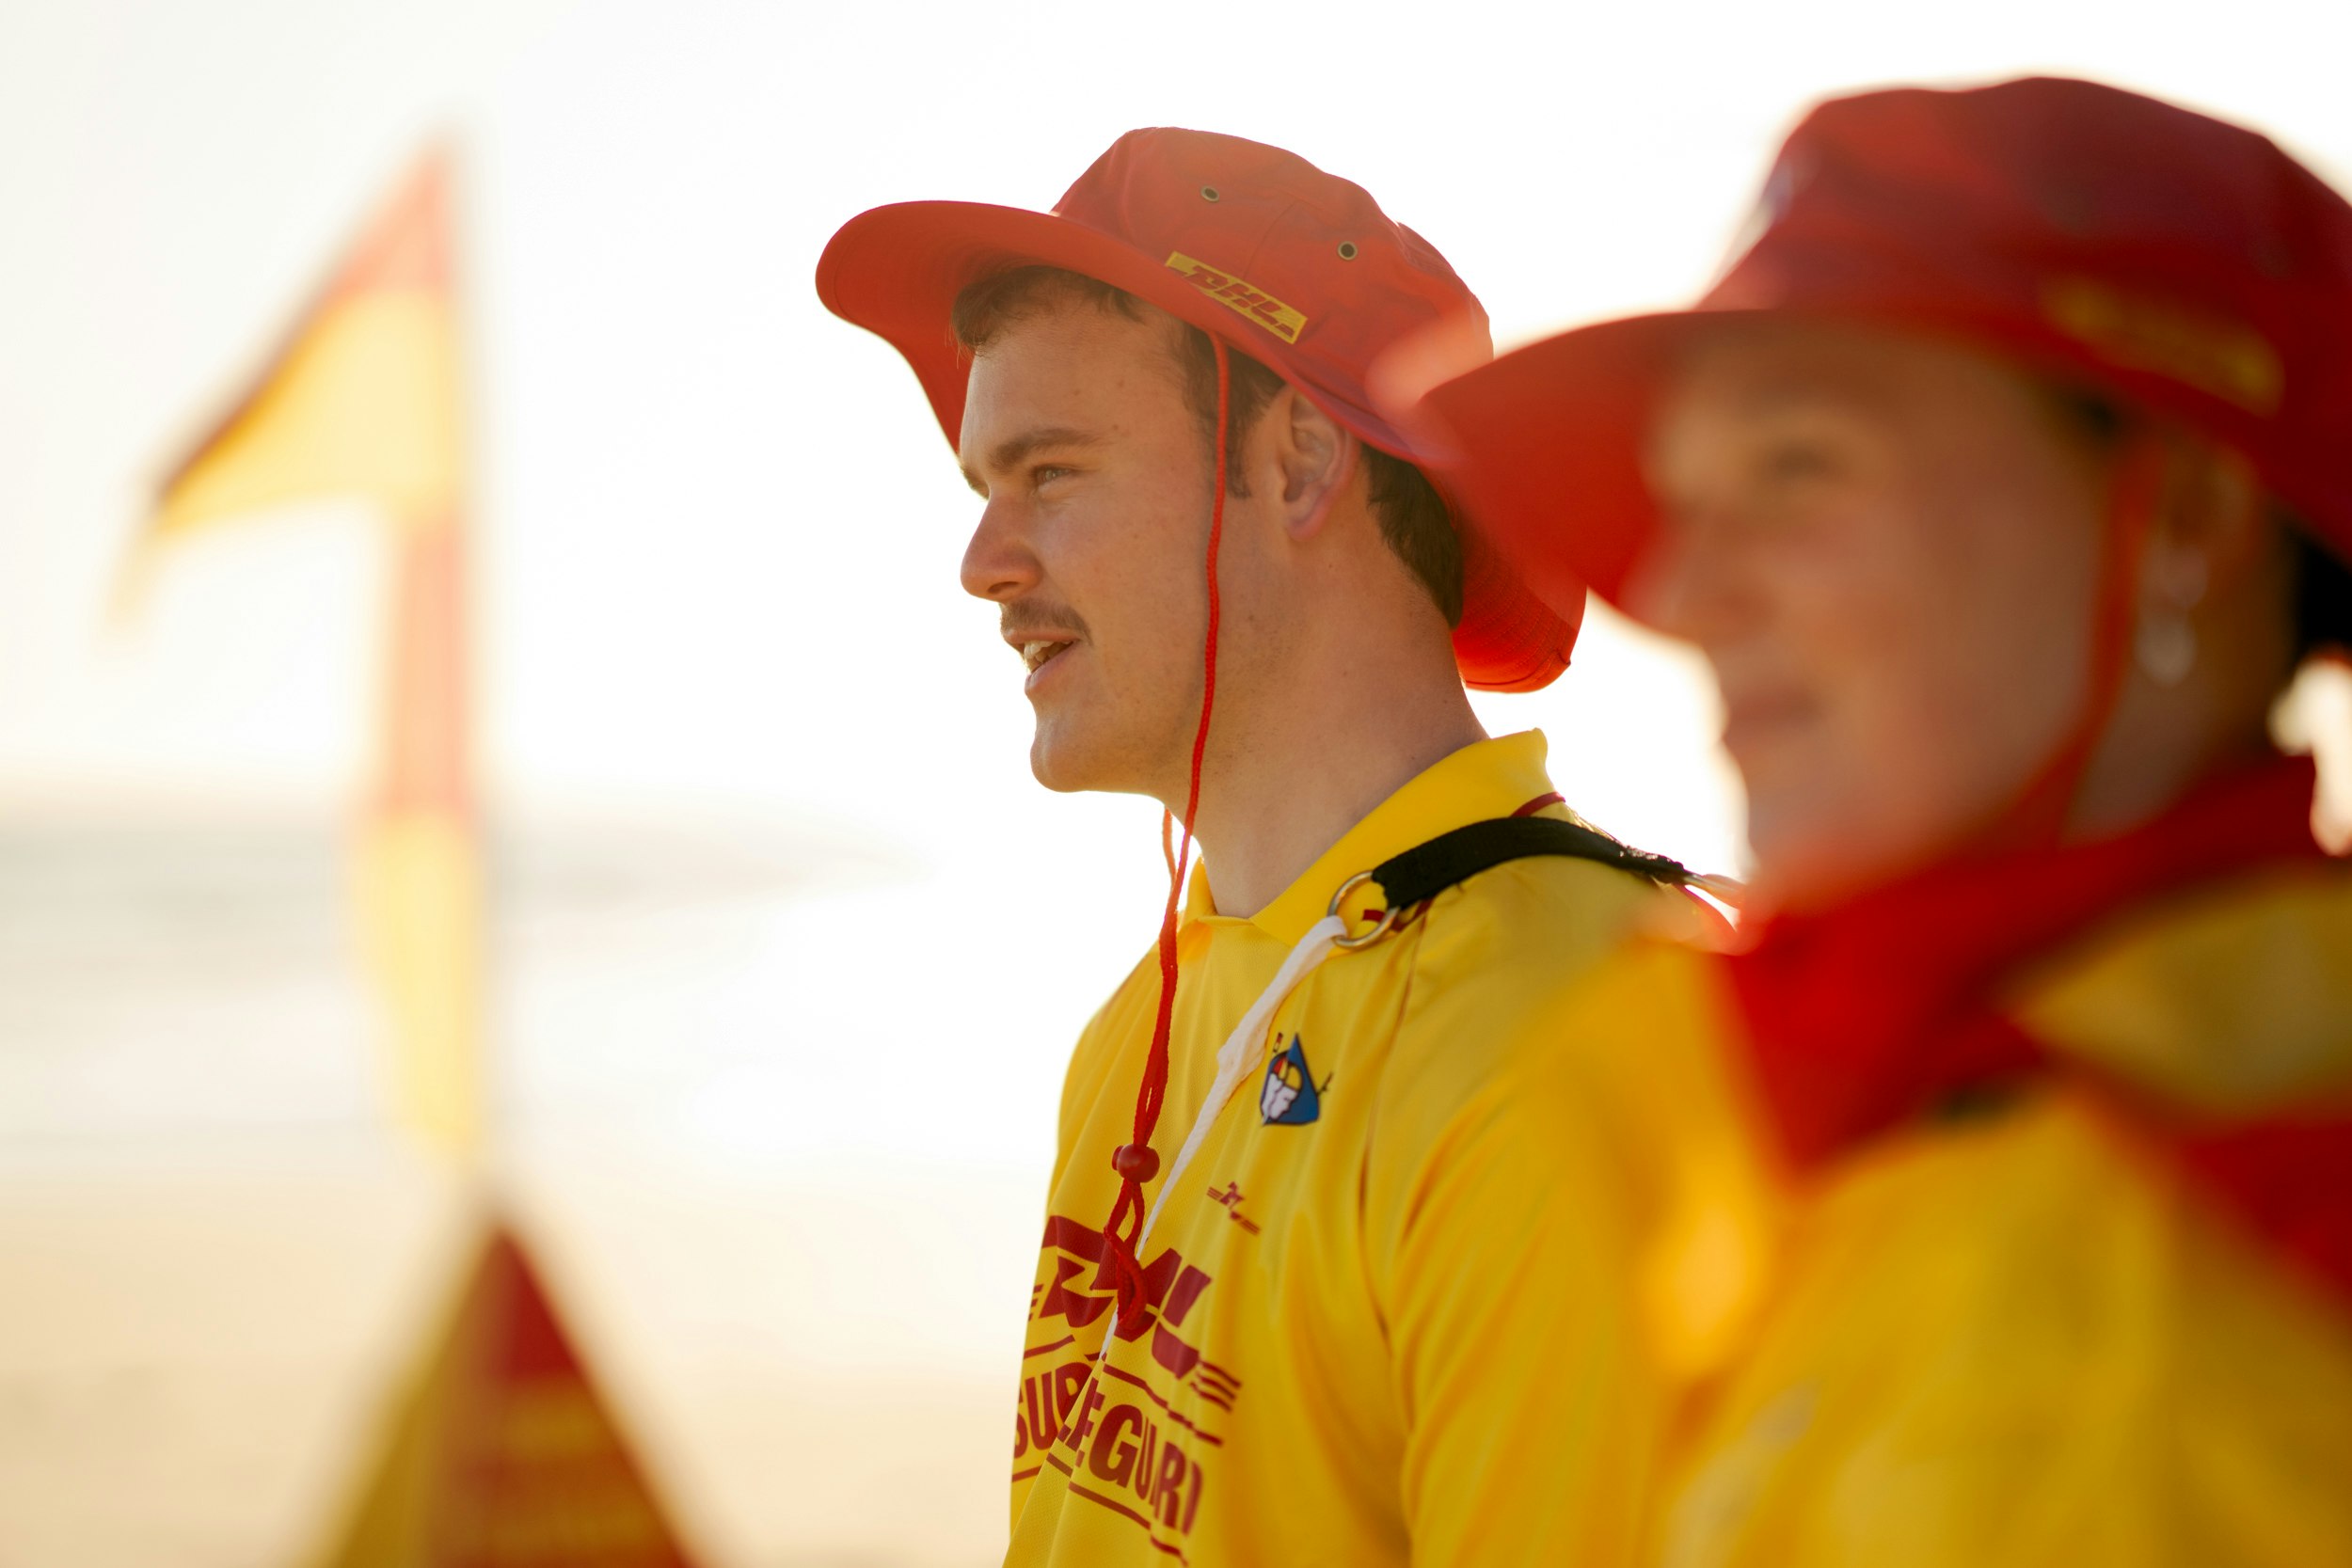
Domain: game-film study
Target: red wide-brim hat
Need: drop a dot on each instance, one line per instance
(1296, 268)
(2107, 240)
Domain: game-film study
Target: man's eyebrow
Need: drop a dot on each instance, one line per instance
(1009, 452)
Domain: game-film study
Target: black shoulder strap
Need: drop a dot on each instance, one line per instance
(1453, 858)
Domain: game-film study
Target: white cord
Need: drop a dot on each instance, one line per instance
(1234, 1059)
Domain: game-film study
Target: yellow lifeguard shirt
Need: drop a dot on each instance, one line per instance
(2022, 1339)
(1368, 1338)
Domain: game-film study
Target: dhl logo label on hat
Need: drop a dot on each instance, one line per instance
(2224, 359)
(1251, 301)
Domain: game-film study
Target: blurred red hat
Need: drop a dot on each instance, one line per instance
(1296, 268)
(2187, 267)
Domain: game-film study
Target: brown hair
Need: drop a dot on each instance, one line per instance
(1413, 518)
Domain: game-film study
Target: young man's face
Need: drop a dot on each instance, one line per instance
(1887, 548)
(1097, 482)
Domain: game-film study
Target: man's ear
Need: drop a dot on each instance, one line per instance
(1314, 460)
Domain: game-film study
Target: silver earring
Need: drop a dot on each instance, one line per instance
(2166, 644)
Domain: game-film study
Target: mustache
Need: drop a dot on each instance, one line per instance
(1020, 622)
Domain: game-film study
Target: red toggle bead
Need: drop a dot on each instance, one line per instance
(1135, 1162)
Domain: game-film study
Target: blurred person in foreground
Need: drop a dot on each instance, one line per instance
(1996, 1200)
(1309, 1316)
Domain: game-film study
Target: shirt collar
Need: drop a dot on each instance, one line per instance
(1485, 779)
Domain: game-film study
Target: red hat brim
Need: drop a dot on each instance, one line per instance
(896, 271)
(1546, 444)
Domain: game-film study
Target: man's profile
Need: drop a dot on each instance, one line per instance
(1302, 1285)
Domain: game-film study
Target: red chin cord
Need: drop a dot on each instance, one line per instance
(1134, 1161)
(2037, 819)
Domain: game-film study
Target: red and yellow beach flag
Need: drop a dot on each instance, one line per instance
(503, 1454)
(365, 400)
(499, 1452)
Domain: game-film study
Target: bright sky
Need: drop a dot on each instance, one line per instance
(719, 529)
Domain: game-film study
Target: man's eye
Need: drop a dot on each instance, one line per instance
(1045, 473)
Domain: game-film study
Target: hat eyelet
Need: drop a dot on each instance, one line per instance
(1208, 193)
(1348, 251)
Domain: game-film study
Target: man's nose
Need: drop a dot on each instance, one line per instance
(1000, 564)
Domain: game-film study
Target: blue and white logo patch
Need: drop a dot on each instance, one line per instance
(1289, 1097)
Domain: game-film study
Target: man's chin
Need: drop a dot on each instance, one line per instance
(1059, 782)
(1059, 766)
(1069, 765)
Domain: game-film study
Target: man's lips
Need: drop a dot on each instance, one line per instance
(1037, 652)
(1039, 640)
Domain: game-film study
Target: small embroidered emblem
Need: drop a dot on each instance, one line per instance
(1289, 1097)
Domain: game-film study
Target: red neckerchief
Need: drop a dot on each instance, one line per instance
(1867, 1017)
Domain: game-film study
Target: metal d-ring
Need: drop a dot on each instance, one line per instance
(1389, 922)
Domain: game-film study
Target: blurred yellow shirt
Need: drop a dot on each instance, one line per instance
(2022, 1339)
(1372, 1334)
